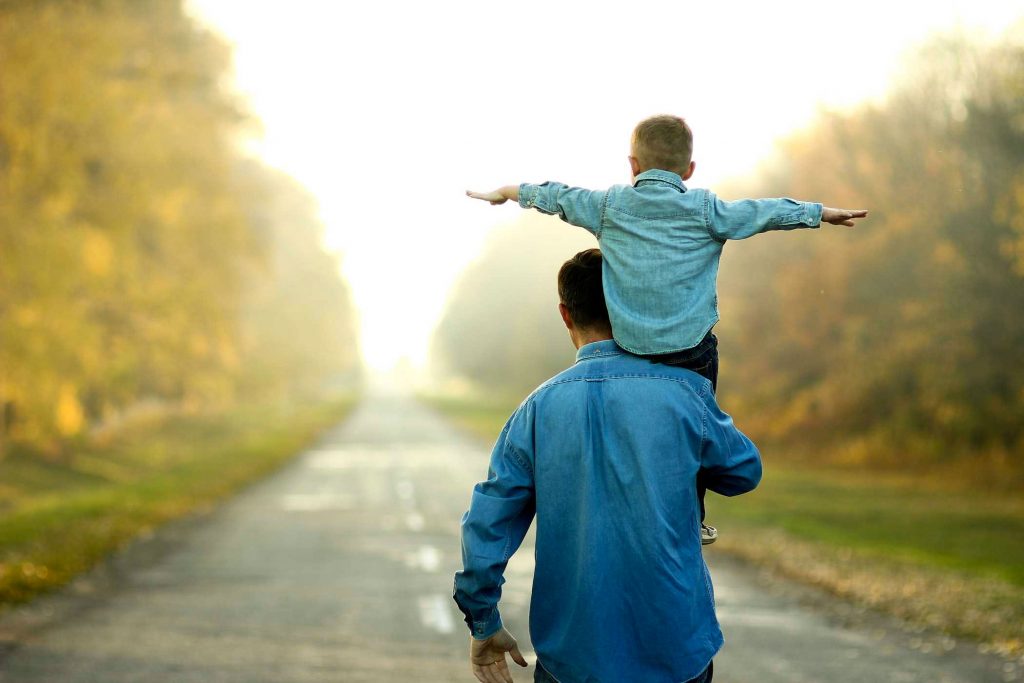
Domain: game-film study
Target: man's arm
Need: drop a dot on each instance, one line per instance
(730, 462)
(499, 515)
(487, 657)
(747, 217)
(574, 205)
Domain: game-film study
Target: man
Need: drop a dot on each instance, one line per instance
(606, 455)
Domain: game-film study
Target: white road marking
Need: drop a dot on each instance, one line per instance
(770, 619)
(381, 457)
(435, 613)
(426, 557)
(313, 502)
(414, 521)
(405, 489)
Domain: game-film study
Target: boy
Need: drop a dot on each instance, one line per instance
(662, 243)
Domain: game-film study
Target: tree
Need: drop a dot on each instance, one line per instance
(500, 329)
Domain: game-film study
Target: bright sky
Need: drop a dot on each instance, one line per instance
(388, 111)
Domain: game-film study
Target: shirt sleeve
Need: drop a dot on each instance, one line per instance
(747, 217)
(730, 462)
(499, 515)
(574, 205)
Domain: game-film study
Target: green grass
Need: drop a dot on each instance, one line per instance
(937, 552)
(59, 517)
(886, 517)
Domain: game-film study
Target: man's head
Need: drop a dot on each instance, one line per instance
(664, 142)
(581, 298)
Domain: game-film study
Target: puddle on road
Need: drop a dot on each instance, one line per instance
(426, 557)
(435, 613)
(405, 489)
(770, 619)
(380, 456)
(316, 502)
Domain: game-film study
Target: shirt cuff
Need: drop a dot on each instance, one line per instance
(527, 195)
(482, 630)
(803, 213)
(812, 213)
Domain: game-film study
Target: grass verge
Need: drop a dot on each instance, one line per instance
(935, 553)
(58, 518)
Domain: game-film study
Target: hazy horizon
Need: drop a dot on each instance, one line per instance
(388, 114)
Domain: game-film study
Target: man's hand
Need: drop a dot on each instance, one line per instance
(841, 216)
(488, 657)
(499, 196)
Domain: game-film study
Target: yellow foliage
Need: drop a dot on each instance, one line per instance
(199, 345)
(97, 253)
(1011, 211)
(946, 255)
(27, 316)
(58, 205)
(170, 207)
(70, 416)
(228, 353)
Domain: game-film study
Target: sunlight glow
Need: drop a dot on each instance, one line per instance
(387, 112)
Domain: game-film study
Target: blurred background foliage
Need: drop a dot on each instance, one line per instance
(145, 259)
(500, 333)
(896, 343)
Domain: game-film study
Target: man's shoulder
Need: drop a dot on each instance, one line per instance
(621, 367)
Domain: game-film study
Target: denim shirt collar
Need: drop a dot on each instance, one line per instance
(657, 175)
(607, 347)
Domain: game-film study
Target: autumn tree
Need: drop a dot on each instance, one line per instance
(500, 330)
(893, 341)
(894, 337)
(126, 233)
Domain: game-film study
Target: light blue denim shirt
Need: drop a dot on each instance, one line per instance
(661, 245)
(606, 454)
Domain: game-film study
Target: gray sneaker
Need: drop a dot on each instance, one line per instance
(708, 534)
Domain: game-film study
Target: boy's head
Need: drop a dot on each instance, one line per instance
(664, 142)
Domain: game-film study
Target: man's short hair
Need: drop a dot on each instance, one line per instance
(663, 142)
(580, 289)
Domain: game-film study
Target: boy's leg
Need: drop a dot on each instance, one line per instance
(702, 359)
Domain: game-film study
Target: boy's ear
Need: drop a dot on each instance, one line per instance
(634, 166)
(689, 170)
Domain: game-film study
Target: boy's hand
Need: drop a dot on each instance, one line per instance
(841, 216)
(499, 196)
(488, 657)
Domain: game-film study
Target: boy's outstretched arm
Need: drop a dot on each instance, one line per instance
(841, 216)
(737, 220)
(573, 205)
(499, 196)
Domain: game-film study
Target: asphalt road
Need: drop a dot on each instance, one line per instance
(339, 568)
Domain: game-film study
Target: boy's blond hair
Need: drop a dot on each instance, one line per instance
(664, 142)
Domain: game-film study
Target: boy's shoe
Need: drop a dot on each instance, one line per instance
(708, 534)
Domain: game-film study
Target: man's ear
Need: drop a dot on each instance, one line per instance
(563, 310)
(689, 170)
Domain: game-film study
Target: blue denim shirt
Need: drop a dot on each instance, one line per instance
(661, 245)
(606, 454)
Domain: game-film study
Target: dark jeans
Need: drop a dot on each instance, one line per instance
(702, 359)
(540, 675)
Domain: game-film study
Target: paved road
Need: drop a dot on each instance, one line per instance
(339, 569)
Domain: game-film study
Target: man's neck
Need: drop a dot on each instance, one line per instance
(589, 336)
